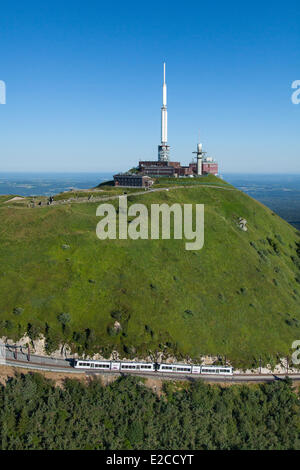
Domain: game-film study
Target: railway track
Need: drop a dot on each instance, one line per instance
(236, 378)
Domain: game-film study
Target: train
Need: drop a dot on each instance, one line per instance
(162, 368)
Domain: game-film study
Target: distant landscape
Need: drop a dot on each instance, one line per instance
(281, 193)
(48, 184)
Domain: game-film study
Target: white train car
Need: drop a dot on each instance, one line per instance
(138, 366)
(114, 365)
(174, 368)
(217, 370)
(194, 369)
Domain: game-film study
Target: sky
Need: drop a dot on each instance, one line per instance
(83, 83)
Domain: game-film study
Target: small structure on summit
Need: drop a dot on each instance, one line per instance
(132, 179)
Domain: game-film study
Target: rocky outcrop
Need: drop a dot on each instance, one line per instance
(243, 224)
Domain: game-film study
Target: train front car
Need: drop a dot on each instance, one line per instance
(93, 365)
(82, 364)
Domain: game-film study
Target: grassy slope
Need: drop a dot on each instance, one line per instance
(243, 300)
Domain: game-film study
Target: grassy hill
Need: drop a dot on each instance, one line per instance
(237, 297)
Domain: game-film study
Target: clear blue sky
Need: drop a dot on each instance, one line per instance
(84, 83)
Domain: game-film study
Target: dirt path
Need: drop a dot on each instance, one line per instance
(139, 193)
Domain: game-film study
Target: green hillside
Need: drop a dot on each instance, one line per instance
(237, 297)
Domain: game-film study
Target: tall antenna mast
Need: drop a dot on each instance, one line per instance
(163, 148)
